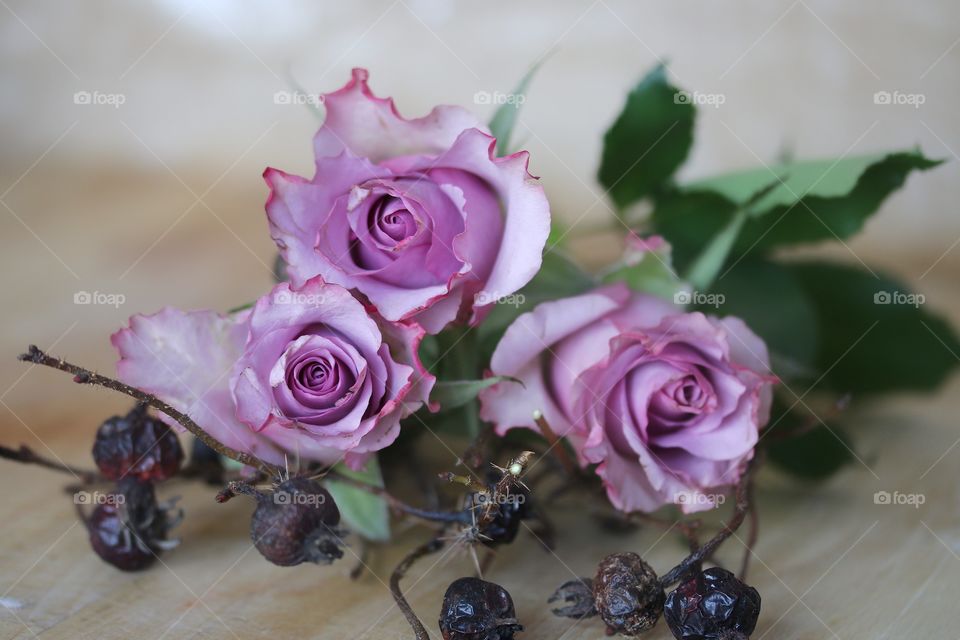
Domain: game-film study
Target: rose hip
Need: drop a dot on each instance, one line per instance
(477, 610)
(137, 445)
(297, 523)
(712, 605)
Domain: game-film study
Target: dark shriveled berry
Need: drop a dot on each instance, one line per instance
(477, 610)
(511, 509)
(627, 594)
(713, 605)
(137, 445)
(128, 529)
(297, 523)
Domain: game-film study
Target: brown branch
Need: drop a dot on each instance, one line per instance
(751, 536)
(427, 548)
(742, 506)
(27, 455)
(556, 447)
(84, 376)
(396, 503)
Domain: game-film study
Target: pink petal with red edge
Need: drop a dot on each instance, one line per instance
(371, 127)
(184, 358)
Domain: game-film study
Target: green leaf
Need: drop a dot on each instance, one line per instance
(648, 141)
(810, 454)
(689, 219)
(363, 512)
(242, 307)
(505, 118)
(456, 393)
(875, 335)
(821, 200)
(770, 299)
(646, 270)
(814, 455)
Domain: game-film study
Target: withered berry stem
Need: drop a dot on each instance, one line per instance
(751, 536)
(27, 455)
(741, 508)
(85, 376)
(396, 503)
(427, 548)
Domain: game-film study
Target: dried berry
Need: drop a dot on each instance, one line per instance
(712, 605)
(511, 509)
(477, 610)
(128, 528)
(137, 445)
(627, 594)
(297, 523)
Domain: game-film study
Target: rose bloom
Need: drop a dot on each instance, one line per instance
(307, 373)
(416, 215)
(667, 404)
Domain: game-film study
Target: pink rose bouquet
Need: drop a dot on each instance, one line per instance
(422, 302)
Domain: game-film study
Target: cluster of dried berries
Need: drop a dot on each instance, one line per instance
(626, 593)
(629, 597)
(128, 528)
(297, 521)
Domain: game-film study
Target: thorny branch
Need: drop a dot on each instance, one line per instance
(85, 376)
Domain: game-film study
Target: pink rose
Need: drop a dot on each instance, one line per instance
(416, 215)
(307, 372)
(668, 404)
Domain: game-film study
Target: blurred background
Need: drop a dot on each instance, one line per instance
(135, 135)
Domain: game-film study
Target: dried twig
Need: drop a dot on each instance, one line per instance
(85, 376)
(432, 546)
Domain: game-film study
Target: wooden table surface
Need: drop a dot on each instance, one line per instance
(830, 562)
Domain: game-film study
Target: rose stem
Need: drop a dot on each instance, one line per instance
(474, 456)
(427, 548)
(27, 455)
(396, 503)
(741, 508)
(84, 376)
(556, 446)
(752, 536)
